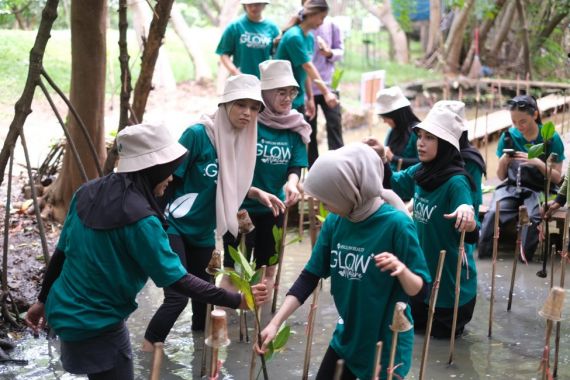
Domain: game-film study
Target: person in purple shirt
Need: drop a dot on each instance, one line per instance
(328, 50)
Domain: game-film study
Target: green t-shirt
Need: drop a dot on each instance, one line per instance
(437, 233)
(277, 151)
(249, 43)
(519, 143)
(410, 151)
(477, 174)
(364, 296)
(297, 48)
(103, 272)
(192, 210)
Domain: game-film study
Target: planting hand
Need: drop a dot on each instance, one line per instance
(267, 199)
(310, 109)
(35, 317)
(267, 335)
(375, 144)
(465, 218)
(260, 292)
(291, 193)
(331, 100)
(552, 207)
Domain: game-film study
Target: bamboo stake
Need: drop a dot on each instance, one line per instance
(310, 329)
(431, 312)
(552, 255)
(312, 222)
(546, 358)
(301, 204)
(280, 264)
(563, 258)
(399, 324)
(494, 266)
(339, 369)
(257, 312)
(523, 220)
(542, 273)
(457, 293)
(486, 136)
(214, 364)
(214, 265)
(157, 360)
(378, 360)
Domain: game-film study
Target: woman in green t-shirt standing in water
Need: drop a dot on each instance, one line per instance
(443, 207)
(282, 135)
(207, 190)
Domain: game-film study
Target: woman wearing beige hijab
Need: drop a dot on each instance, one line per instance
(370, 250)
(208, 188)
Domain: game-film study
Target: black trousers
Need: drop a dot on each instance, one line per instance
(334, 128)
(443, 317)
(195, 260)
(328, 366)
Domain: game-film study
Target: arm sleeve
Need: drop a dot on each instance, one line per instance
(403, 183)
(227, 43)
(299, 156)
(297, 52)
(408, 249)
(387, 180)
(52, 273)
(294, 170)
(304, 286)
(200, 290)
(319, 262)
(406, 161)
(188, 141)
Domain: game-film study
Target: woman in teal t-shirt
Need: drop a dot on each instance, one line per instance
(443, 206)
(282, 135)
(369, 249)
(400, 144)
(248, 41)
(207, 190)
(523, 178)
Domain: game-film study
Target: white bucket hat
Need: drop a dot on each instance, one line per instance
(245, 2)
(142, 146)
(443, 122)
(390, 99)
(456, 107)
(276, 73)
(242, 86)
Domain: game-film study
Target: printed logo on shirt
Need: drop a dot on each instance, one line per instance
(211, 170)
(273, 152)
(422, 210)
(351, 261)
(254, 40)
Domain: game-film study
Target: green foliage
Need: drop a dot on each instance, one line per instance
(336, 77)
(401, 9)
(547, 133)
(535, 151)
(323, 213)
(279, 342)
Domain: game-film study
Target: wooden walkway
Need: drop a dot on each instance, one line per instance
(496, 122)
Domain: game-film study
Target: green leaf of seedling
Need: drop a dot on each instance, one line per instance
(282, 337)
(242, 261)
(241, 284)
(297, 239)
(249, 298)
(535, 151)
(320, 218)
(547, 131)
(336, 77)
(273, 259)
(323, 211)
(270, 352)
(277, 237)
(256, 277)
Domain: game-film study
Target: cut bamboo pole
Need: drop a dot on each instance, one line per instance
(563, 258)
(431, 312)
(523, 221)
(457, 294)
(494, 266)
(312, 221)
(157, 355)
(378, 360)
(551, 311)
(280, 263)
(399, 324)
(310, 329)
(301, 203)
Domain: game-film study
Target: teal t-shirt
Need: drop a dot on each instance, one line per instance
(477, 174)
(191, 211)
(297, 48)
(519, 143)
(410, 151)
(248, 43)
(277, 151)
(437, 233)
(364, 296)
(103, 272)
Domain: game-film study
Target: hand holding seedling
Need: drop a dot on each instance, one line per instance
(465, 218)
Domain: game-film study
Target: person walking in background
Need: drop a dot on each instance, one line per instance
(297, 47)
(329, 49)
(248, 40)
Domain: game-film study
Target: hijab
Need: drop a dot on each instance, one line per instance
(470, 153)
(292, 120)
(404, 121)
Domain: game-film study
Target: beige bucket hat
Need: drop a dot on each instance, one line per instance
(245, 2)
(276, 73)
(444, 122)
(456, 107)
(142, 146)
(242, 86)
(390, 99)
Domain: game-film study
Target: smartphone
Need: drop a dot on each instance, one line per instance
(509, 152)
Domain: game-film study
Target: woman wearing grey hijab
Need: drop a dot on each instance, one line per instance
(369, 248)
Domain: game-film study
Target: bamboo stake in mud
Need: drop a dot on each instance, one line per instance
(310, 329)
(399, 324)
(257, 312)
(431, 312)
(377, 361)
(339, 369)
(552, 256)
(214, 265)
(494, 266)
(218, 338)
(457, 293)
(157, 355)
(563, 258)
(551, 311)
(545, 245)
(280, 263)
(523, 221)
(301, 203)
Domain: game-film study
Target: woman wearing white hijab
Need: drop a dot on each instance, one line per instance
(282, 137)
(369, 248)
(208, 188)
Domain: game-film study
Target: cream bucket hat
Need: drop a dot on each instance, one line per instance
(276, 73)
(390, 99)
(456, 107)
(444, 122)
(242, 86)
(142, 146)
(245, 2)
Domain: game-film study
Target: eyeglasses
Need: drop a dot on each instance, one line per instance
(520, 104)
(291, 94)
